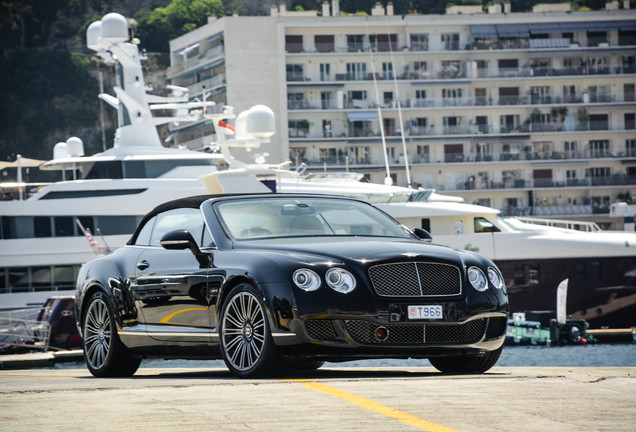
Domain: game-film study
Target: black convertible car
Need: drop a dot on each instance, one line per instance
(277, 282)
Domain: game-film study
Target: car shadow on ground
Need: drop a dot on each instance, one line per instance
(320, 374)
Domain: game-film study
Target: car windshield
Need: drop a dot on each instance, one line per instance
(253, 218)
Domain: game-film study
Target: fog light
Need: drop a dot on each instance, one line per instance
(381, 333)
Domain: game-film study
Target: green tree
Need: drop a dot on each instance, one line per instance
(179, 17)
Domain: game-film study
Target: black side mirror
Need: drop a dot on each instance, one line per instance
(181, 240)
(422, 234)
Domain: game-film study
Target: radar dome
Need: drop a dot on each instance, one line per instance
(241, 125)
(60, 151)
(93, 35)
(261, 122)
(75, 146)
(114, 28)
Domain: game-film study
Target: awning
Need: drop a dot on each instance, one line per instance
(513, 30)
(599, 26)
(627, 25)
(549, 43)
(362, 115)
(483, 31)
(573, 27)
(215, 37)
(545, 28)
(188, 49)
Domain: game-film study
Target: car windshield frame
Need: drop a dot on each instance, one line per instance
(256, 218)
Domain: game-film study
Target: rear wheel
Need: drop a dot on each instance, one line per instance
(105, 355)
(246, 342)
(467, 363)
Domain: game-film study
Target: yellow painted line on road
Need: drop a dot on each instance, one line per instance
(376, 407)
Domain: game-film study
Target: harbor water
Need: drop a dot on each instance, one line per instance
(597, 355)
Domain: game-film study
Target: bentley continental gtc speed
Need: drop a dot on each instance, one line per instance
(277, 282)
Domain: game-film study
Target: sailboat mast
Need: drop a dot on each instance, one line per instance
(399, 107)
(388, 180)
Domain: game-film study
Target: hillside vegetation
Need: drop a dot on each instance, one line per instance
(49, 80)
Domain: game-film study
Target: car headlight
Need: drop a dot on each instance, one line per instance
(495, 278)
(477, 279)
(340, 280)
(306, 279)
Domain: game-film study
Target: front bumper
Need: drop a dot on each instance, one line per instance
(342, 339)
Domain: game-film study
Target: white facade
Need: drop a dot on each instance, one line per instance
(529, 113)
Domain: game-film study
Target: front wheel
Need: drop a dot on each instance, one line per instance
(467, 363)
(105, 355)
(246, 342)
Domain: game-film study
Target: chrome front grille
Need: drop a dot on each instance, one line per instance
(420, 279)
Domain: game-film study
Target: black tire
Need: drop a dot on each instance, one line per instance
(247, 346)
(104, 353)
(308, 364)
(468, 363)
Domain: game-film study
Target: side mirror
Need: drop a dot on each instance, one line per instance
(181, 240)
(422, 234)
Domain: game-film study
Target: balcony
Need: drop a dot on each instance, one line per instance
(193, 62)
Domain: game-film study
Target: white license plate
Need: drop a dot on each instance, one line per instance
(426, 312)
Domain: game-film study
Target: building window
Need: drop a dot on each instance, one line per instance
(355, 43)
(630, 147)
(599, 122)
(295, 72)
(325, 72)
(451, 69)
(600, 148)
(294, 43)
(450, 41)
(324, 43)
(356, 71)
(295, 100)
(387, 42)
(298, 128)
(419, 42)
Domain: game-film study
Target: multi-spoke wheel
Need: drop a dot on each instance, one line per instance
(104, 353)
(246, 342)
(467, 363)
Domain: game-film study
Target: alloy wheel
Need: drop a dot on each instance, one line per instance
(97, 333)
(244, 331)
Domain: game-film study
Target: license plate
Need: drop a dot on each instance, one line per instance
(426, 312)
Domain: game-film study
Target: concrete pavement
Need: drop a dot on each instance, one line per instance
(333, 399)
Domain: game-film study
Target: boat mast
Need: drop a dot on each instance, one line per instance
(388, 180)
(399, 107)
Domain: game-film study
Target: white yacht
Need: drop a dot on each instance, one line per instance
(45, 238)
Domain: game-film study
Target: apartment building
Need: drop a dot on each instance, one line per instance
(530, 113)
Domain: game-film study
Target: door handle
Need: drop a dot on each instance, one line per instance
(143, 265)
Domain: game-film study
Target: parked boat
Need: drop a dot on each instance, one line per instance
(43, 239)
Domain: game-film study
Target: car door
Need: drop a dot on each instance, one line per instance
(170, 287)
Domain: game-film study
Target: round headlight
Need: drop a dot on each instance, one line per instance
(340, 280)
(495, 278)
(306, 279)
(477, 279)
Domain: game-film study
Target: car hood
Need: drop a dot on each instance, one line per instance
(363, 249)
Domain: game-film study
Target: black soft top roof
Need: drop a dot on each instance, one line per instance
(187, 202)
(196, 201)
